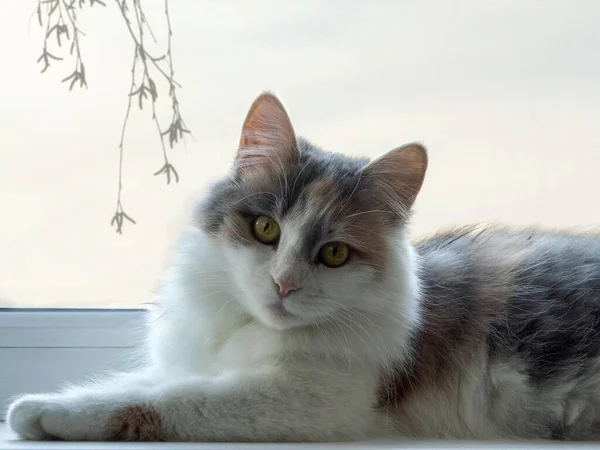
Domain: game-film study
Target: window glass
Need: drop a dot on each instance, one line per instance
(505, 95)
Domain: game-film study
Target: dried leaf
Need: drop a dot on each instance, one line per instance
(73, 81)
(128, 218)
(56, 58)
(74, 74)
(53, 8)
(168, 169)
(153, 90)
(51, 30)
(82, 75)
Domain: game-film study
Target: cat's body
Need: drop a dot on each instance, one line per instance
(296, 309)
(509, 339)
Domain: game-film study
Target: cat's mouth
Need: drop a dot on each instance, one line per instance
(279, 310)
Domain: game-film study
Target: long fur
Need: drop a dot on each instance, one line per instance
(485, 333)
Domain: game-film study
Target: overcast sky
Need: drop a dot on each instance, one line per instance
(504, 93)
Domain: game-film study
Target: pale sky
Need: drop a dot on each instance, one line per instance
(504, 93)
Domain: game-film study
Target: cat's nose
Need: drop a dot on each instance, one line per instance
(286, 287)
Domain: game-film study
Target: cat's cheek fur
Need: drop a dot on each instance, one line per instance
(251, 271)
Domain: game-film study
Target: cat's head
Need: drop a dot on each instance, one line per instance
(307, 234)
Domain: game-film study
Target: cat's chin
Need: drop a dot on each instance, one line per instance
(278, 317)
(279, 310)
(293, 312)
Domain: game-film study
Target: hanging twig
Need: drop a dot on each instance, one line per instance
(149, 85)
(120, 215)
(61, 24)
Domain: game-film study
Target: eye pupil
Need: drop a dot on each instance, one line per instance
(334, 254)
(266, 230)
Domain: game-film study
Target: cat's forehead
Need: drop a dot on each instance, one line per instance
(317, 181)
(322, 196)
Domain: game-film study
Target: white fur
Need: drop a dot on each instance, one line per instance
(220, 364)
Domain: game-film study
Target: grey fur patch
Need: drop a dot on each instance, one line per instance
(554, 312)
(526, 298)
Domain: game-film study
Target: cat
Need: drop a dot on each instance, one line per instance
(297, 309)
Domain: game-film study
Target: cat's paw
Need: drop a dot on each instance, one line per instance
(24, 416)
(40, 417)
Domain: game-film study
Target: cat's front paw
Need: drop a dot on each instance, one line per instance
(24, 416)
(39, 417)
(55, 416)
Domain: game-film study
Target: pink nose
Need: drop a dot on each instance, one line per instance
(286, 287)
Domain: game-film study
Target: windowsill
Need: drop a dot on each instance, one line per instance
(9, 442)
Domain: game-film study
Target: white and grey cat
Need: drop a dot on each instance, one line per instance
(296, 309)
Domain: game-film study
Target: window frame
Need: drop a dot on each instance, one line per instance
(44, 349)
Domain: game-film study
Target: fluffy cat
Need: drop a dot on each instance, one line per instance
(296, 309)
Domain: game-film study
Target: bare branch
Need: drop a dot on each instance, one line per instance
(78, 73)
(117, 219)
(61, 25)
(177, 129)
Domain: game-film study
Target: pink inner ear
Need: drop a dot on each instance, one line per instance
(400, 173)
(268, 137)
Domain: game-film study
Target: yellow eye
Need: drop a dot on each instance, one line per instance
(334, 254)
(266, 230)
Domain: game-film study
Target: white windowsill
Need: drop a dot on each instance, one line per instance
(8, 442)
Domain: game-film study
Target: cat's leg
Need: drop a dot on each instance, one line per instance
(31, 416)
(234, 407)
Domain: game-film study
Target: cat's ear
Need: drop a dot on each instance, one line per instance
(268, 138)
(398, 175)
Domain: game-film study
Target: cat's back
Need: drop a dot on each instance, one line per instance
(543, 253)
(511, 320)
(532, 293)
(511, 266)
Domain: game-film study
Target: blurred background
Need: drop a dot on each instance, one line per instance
(504, 93)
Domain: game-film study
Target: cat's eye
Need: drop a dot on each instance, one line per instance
(266, 230)
(334, 254)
